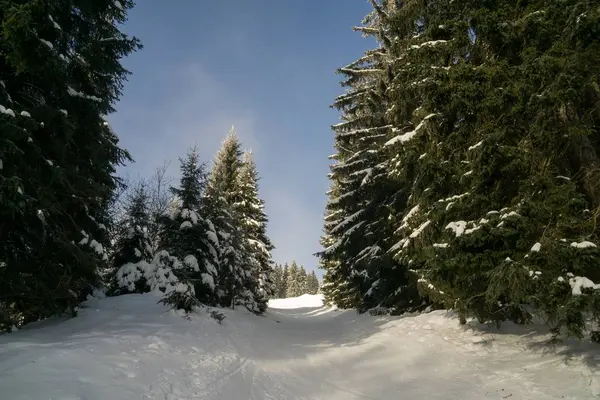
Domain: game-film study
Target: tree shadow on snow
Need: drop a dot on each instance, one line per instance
(537, 338)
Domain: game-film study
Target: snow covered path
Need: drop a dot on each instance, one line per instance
(129, 347)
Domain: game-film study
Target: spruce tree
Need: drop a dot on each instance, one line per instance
(189, 243)
(133, 242)
(277, 276)
(313, 283)
(361, 270)
(302, 281)
(293, 283)
(499, 105)
(254, 222)
(284, 281)
(60, 75)
(239, 269)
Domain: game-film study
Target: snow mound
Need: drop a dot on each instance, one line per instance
(130, 347)
(306, 300)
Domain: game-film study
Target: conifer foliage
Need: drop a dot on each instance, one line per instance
(488, 117)
(132, 244)
(360, 269)
(233, 193)
(60, 74)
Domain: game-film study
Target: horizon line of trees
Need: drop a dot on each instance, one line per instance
(293, 281)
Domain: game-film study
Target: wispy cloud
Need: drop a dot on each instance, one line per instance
(187, 106)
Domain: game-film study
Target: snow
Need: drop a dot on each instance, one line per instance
(581, 282)
(118, 5)
(130, 347)
(476, 145)
(47, 44)
(431, 43)
(536, 247)
(420, 229)
(56, 25)
(185, 225)
(75, 93)
(49, 162)
(409, 135)
(583, 245)
(192, 262)
(458, 227)
(25, 114)
(7, 111)
(413, 211)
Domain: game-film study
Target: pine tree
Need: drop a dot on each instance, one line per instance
(133, 242)
(59, 77)
(254, 223)
(239, 269)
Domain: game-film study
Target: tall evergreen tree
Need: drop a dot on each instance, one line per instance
(302, 281)
(293, 283)
(487, 116)
(239, 269)
(254, 222)
(277, 277)
(188, 242)
(60, 74)
(313, 283)
(361, 270)
(510, 156)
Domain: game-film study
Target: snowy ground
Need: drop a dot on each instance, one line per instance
(129, 347)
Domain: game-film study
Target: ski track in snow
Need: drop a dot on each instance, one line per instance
(130, 347)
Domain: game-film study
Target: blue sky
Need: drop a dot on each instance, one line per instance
(267, 67)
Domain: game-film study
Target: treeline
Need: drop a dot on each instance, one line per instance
(63, 232)
(467, 168)
(293, 281)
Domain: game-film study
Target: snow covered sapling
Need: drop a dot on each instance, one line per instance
(218, 316)
(133, 244)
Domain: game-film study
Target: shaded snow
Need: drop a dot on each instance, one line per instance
(476, 145)
(583, 245)
(130, 347)
(7, 111)
(75, 93)
(581, 282)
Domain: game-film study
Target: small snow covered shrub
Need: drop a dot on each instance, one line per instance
(218, 316)
(166, 274)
